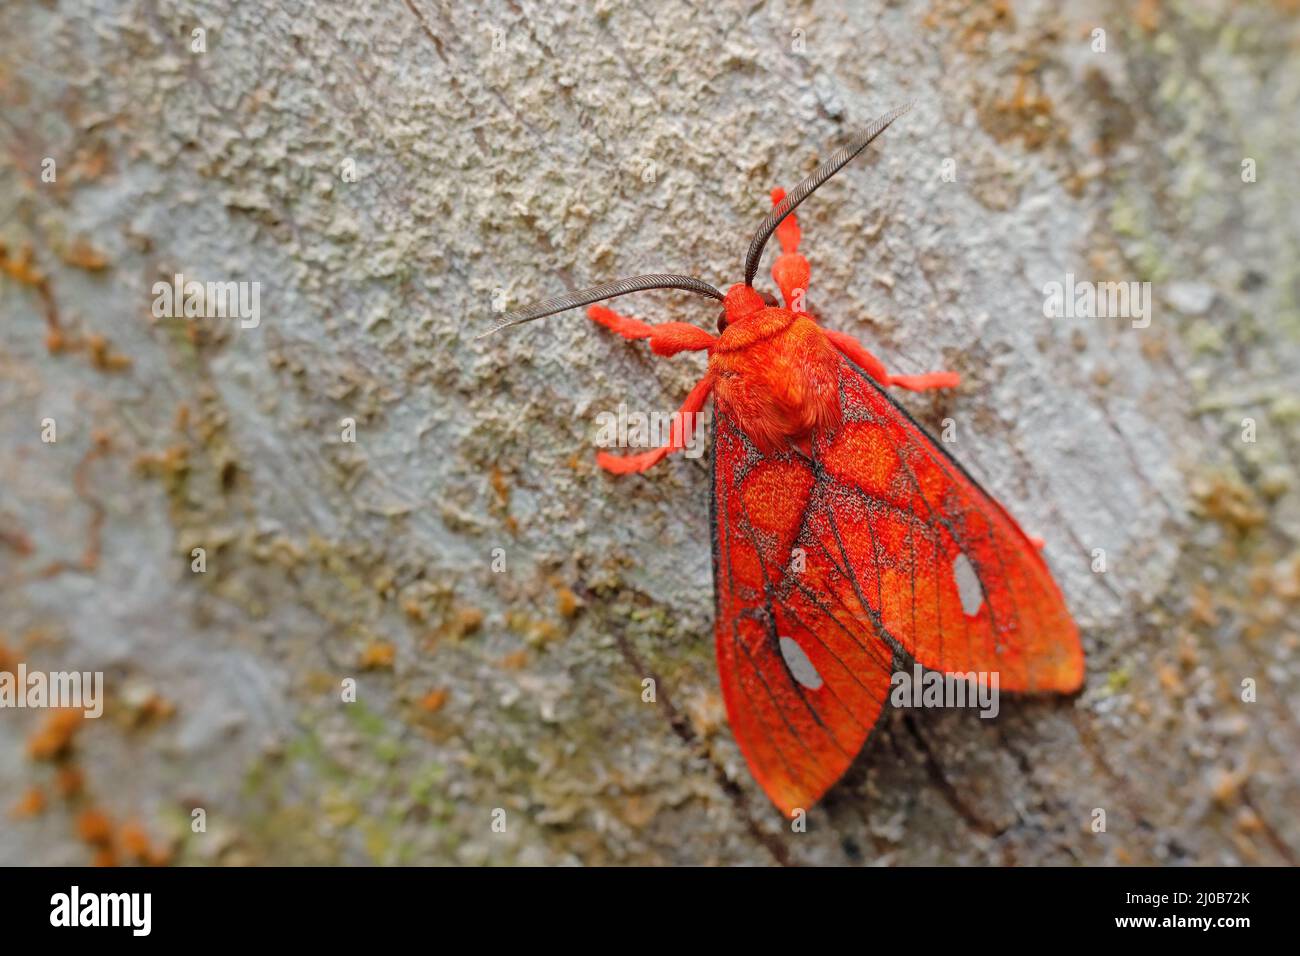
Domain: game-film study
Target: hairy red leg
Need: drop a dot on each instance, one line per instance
(666, 339)
(790, 270)
(684, 419)
(856, 351)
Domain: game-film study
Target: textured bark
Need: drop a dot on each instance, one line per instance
(514, 150)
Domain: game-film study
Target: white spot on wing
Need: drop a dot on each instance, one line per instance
(799, 665)
(968, 584)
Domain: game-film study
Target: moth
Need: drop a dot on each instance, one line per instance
(847, 543)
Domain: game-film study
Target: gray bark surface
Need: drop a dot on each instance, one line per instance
(512, 151)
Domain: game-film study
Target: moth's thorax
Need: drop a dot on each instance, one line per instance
(776, 374)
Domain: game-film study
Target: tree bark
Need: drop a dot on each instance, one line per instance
(390, 175)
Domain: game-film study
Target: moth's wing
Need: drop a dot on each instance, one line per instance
(829, 568)
(803, 682)
(942, 568)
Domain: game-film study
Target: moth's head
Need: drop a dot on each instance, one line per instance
(741, 300)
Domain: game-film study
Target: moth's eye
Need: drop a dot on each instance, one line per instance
(722, 320)
(769, 298)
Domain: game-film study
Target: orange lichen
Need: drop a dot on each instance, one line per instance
(134, 840)
(89, 561)
(103, 357)
(469, 620)
(31, 804)
(463, 622)
(94, 827)
(169, 463)
(536, 631)
(69, 781)
(1226, 785)
(1228, 501)
(143, 707)
(500, 485)
(22, 269)
(707, 713)
(1147, 15)
(54, 738)
(82, 255)
(89, 164)
(433, 701)
(137, 846)
(53, 741)
(971, 23)
(501, 488)
(566, 602)
(1202, 606)
(1170, 680)
(17, 539)
(1287, 579)
(378, 655)
(1026, 112)
(1248, 821)
(515, 660)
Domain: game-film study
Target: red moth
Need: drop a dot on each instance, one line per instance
(847, 543)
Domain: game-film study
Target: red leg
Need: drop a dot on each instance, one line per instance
(790, 270)
(856, 351)
(683, 420)
(666, 339)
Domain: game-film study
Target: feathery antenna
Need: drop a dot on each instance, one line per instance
(806, 188)
(609, 290)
